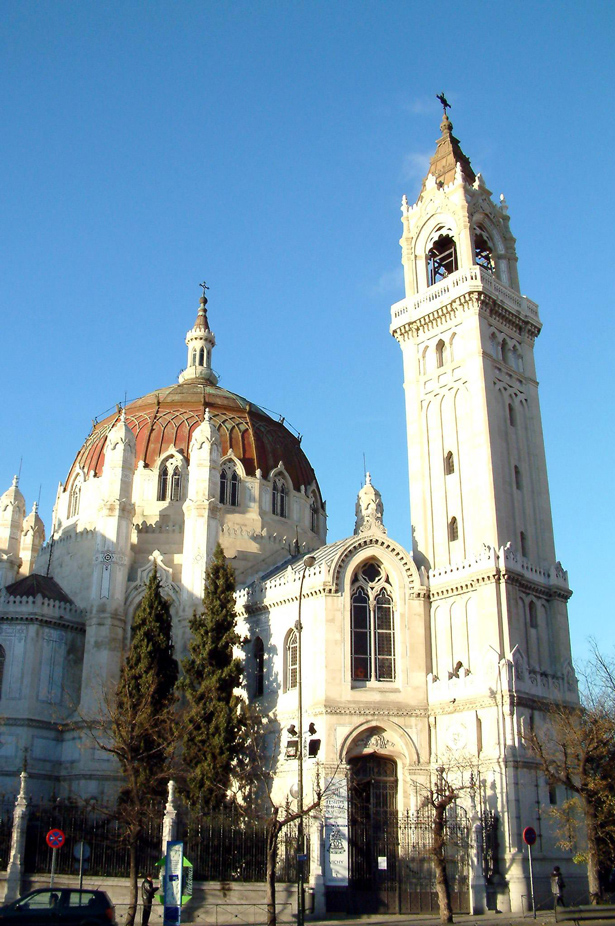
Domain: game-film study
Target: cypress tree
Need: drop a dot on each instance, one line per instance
(142, 719)
(216, 736)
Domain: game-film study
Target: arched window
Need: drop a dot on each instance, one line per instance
(75, 499)
(512, 418)
(523, 540)
(517, 478)
(506, 352)
(451, 348)
(291, 661)
(425, 361)
(372, 625)
(440, 354)
(2, 661)
(453, 530)
(229, 485)
(495, 347)
(202, 357)
(279, 498)
(194, 357)
(441, 259)
(259, 667)
(313, 516)
(533, 615)
(483, 252)
(170, 482)
(449, 463)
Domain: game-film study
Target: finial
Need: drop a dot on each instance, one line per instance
(204, 286)
(503, 203)
(368, 479)
(15, 481)
(405, 208)
(123, 415)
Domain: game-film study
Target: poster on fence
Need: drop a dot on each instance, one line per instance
(336, 832)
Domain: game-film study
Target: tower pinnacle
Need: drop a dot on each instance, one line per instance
(448, 155)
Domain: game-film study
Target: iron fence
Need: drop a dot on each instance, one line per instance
(6, 827)
(228, 846)
(102, 832)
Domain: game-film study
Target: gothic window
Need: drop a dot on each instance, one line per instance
(483, 253)
(75, 499)
(451, 348)
(170, 482)
(512, 418)
(194, 357)
(372, 626)
(2, 661)
(425, 361)
(495, 347)
(441, 259)
(313, 516)
(279, 498)
(291, 661)
(506, 352)
(517, 359)
(533, 615)
(259, 667)
(229, 485)
(517, 478)
(202, 357)
(449, 463)
(523, 540)
(440, 354)
(453, 530)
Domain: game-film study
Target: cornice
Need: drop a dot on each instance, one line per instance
(59, 623)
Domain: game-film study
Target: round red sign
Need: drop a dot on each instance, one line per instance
(529, 835)
(55, 838)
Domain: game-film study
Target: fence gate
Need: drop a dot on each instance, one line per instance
(391, 866)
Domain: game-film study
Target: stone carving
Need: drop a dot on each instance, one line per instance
(375, 741)
(369, 509)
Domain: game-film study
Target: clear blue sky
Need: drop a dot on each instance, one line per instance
(265, 147)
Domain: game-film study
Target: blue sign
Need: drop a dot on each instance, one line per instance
(174, 863)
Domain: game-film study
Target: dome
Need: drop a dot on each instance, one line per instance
(167, 418)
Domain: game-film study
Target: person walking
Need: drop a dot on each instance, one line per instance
(147, 895)
(557, 887)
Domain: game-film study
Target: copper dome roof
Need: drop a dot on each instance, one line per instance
(167, 418)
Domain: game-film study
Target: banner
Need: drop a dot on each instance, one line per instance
(336, 832)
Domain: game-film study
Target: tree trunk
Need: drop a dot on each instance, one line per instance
(132, 903)
(439, 856)
(593, 863)
(273, 830)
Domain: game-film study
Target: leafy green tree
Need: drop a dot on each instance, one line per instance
(215, 740)
(140, 721)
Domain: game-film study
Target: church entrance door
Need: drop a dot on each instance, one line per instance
(373, 836)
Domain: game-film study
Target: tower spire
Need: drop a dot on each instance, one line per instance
(200, 341)
(448, 154)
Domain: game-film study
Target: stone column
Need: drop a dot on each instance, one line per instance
(169, 822)
(18, 843)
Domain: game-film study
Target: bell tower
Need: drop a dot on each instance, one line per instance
(477, 464)
(479, 496)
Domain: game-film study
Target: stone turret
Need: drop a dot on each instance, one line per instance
(106, 621)
(201, 510)
(32, 539)
(12, 510)
(369, 509)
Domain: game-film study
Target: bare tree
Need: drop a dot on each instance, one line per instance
(576, 748)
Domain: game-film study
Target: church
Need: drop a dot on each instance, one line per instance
(404, 662)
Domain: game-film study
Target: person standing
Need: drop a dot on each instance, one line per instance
(557, 887)
(147, 895)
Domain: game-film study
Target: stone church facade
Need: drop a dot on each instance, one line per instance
(439, 657)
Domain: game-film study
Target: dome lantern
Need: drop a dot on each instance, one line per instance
(200, 341)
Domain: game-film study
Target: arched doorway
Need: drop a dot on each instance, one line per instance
(373, 836)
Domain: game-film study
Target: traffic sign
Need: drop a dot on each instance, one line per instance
(55, 839)
(529, 835)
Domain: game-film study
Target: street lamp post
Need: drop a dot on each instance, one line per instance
(307, 563)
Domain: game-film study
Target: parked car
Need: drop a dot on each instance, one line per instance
(58, 906)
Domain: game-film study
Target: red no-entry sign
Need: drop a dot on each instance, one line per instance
(55, 839)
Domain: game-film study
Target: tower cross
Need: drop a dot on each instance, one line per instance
(203, 286)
